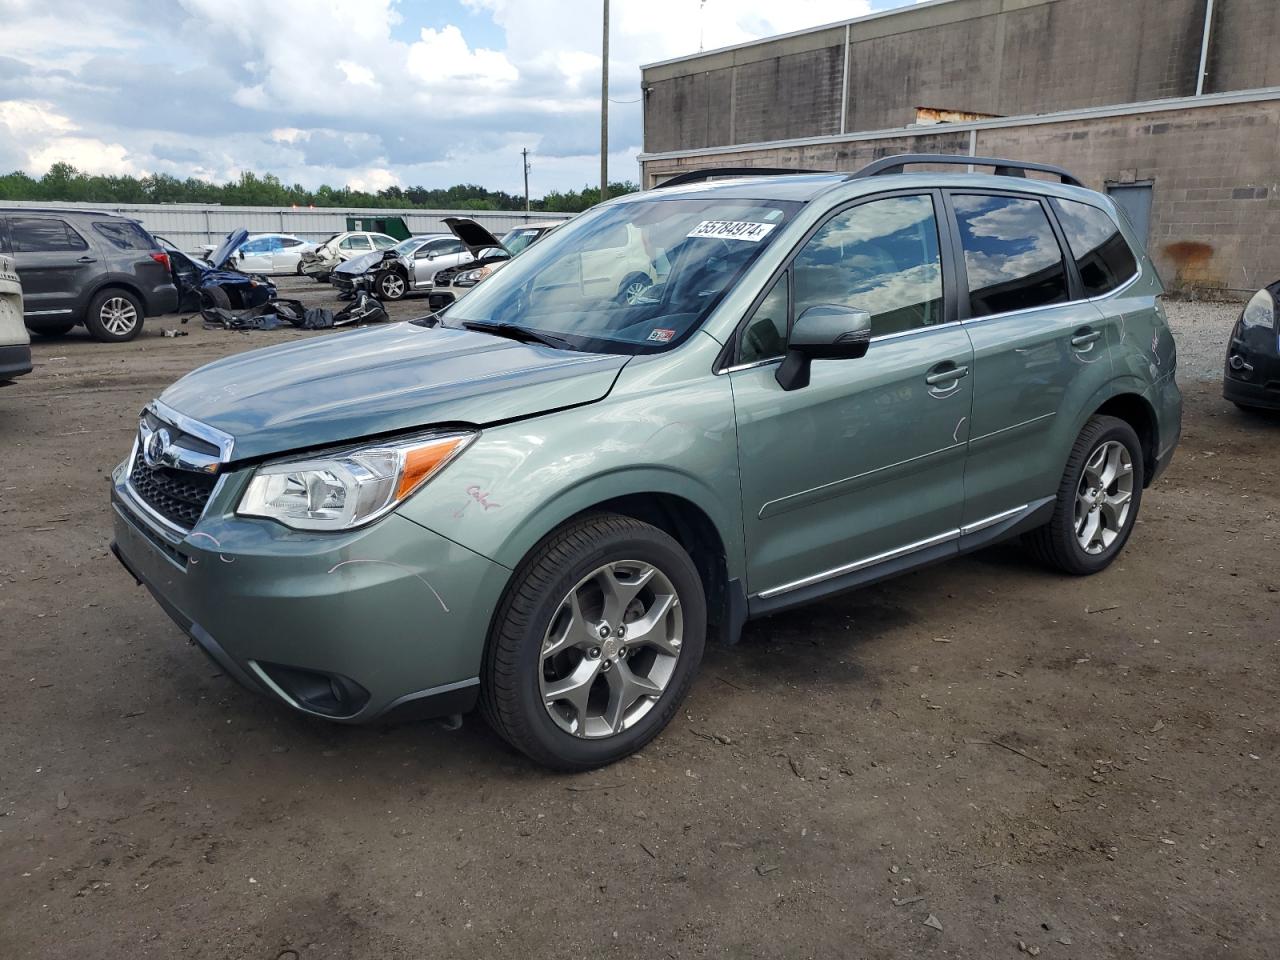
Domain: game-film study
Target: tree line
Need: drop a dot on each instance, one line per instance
(65, 182)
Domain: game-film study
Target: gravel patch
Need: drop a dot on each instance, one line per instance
(1201, 330)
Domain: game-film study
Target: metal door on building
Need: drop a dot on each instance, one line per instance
(1135, 200)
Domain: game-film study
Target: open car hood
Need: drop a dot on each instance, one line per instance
(218, 259)
(473, 236)
(380, 380)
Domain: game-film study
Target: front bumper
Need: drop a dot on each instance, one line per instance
(14, 361)
(344, 626)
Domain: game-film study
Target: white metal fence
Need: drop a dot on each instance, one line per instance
(192, 225)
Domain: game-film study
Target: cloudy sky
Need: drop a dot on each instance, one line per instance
(362, 92)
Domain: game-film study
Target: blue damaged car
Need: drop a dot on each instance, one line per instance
(213, 282)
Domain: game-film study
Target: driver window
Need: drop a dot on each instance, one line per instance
(358, 242)
(765, 335)
(881, 257)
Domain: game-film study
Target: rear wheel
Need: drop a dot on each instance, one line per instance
(633, 287)
(596, 643)
(114, 316)
(1097, 501)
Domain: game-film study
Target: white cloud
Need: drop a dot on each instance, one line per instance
(333, 91)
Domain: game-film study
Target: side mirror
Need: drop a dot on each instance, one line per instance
(825, 331)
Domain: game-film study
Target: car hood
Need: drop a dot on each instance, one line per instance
(473, 236)
(347, 386)
(360, 263)
(232, 243)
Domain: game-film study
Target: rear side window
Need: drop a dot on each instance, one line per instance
(43, 235)
(124, 235)
(1011, 254)
(290, 242)
(1102, 256)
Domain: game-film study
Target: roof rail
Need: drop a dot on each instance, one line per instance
(710, 173)
(1004, 168)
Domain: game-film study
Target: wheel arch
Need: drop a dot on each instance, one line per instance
(1135, 410)
(674, 503)
(114, 283)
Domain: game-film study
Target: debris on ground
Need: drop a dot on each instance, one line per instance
(932, 921)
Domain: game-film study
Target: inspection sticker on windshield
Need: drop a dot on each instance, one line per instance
(732, 230)
(662, 335)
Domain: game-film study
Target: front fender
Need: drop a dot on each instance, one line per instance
(518, 482)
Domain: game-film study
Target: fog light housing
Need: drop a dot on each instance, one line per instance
(328, 694)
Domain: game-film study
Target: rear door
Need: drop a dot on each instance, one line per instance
(55, 263)
(286, 256)
(1040, 348)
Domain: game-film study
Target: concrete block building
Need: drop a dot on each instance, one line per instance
(1172, 106)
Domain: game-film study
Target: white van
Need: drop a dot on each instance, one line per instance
(15, 342)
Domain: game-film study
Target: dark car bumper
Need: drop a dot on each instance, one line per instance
(14, 362)
(1251, 374)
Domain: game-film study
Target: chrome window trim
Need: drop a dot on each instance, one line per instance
(896, 335)
(223, 441)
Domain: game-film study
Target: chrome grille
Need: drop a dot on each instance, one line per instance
(179, 496)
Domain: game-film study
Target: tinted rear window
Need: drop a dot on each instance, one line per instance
(1011, 254)
(1099, 249)
(124, 235)
(43, 235)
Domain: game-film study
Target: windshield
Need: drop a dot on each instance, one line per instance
(636, 277)
(519, 238)
(406, 247)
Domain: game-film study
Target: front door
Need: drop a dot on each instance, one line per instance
(55, 263)
(254, 256)
(866, 463)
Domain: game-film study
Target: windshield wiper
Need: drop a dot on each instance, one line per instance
(514, 331)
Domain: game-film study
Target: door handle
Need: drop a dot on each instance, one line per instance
(946, 376)
(1084, 338)
(87, 260)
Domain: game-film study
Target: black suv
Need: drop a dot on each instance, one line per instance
(89, 267)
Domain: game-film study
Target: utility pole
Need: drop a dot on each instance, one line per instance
(525, 155)
(604, 109)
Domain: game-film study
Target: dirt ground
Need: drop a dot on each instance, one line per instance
(1087, 767)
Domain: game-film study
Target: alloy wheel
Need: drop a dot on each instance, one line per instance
(632, 291)
(611, 649)
(1103, 497)
(392, 286)
(118, 316)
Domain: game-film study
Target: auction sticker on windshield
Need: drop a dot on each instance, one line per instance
(732, 230)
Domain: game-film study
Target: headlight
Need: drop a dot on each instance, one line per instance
(348, 488)
(1260, 311)
(471, 277)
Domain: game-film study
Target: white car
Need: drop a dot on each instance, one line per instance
(272, 253)
(15, 342)
(340, 248)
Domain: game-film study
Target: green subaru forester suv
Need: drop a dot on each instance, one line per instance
(688, 407)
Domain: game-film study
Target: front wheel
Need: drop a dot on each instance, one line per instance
(595, 644)
(392, 286)
(1097, 501)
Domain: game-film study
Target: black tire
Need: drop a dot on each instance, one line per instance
(214, 297)
(298, 271)
(114, 316)
(1055, 544)
(629, 282)
(510, 697)
(392, 285)
(52, 332)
